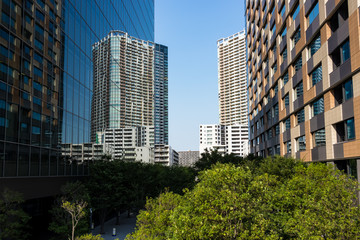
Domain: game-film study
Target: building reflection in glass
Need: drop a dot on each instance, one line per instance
(46, 77)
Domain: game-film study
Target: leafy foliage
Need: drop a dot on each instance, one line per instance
(157, 214)
(61, 222)
(76, 211)
(279, 199)
(13, 220)
(89, 236)
(126, 185)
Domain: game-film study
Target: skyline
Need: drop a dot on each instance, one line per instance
(187, 78)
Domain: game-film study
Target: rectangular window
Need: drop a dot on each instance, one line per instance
(38, 72)
(39, 44)
(350, 129)
(301, 143)
(343, 92)
(314, 12)
(345, 130)
(345, 51)
(341, 54)
(274, 68)
(316, 75)
(36, 116)
(339, 17)
(37, 101)
(288, 147)
(318, 106)
(35, 130)
(287, 124)
(277, 149)
(41, 3)
(319, 138)
(284, 54)
(298, 64)
(296, 37)
(286, 100)
(38, 57)
(299, 90)
(276, 89)
(26, 65)
(315, 45)
(25, 96)
(286, 78)
(39, 30)
(277, 130)
(273, 30)
(300, 116)
(37, 86)
(276, 110)
(40, 16)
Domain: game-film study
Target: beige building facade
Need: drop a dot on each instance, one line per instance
(303, 79)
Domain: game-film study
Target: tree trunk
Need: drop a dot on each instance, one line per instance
(102, 217)
(118, 218)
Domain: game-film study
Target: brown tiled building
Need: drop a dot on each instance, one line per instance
(304, 79)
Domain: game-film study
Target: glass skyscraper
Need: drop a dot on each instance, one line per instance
(161, 101)
(46, 82)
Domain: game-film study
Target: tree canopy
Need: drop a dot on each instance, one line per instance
(279, 199)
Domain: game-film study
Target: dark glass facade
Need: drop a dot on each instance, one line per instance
(161, 121)
(46, 77)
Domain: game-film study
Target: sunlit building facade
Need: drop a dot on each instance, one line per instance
(303, 79)
(232, 79)
(46, 83)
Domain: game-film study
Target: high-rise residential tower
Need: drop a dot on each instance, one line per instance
(130, 85)
(304, 80)
(231, 135)
(123, 83)
(46, 84)
(232, 79)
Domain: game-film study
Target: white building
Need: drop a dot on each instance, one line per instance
(232, 79)
(212, 136)
(237, 140)
(131, 143)
(225, 139)
(82, 152)
(165, 155)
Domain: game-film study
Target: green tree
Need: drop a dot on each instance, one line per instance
(297, 201)
(13, 219)
(318, 202)
(154, 222)
(106, 188)
(76, 211)
(210, 158)
(60, 219)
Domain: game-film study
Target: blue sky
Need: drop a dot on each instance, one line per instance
(191, 28)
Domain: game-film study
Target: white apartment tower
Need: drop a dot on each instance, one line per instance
(232, 79)
(225, 139)
(231, 135)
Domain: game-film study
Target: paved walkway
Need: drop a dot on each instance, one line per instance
(127, 225)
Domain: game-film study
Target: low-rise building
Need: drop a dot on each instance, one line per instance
(165, 155)
(224, 139)
(188, 158)
(132, 143)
